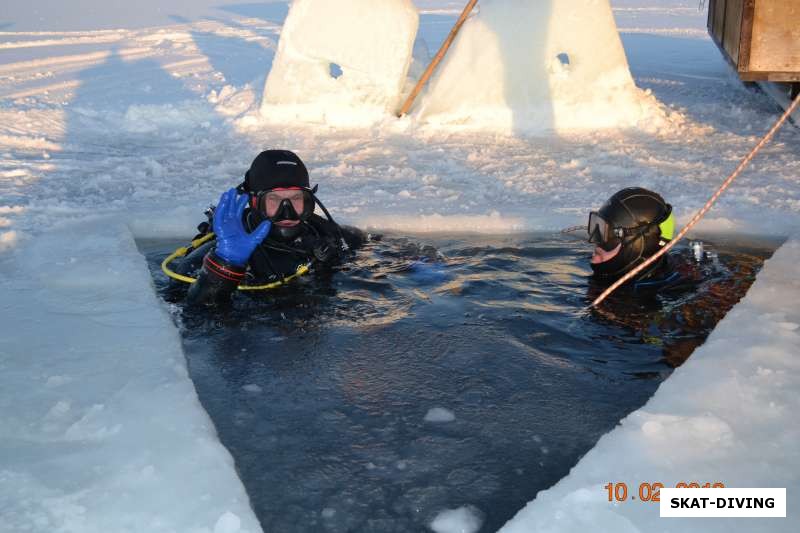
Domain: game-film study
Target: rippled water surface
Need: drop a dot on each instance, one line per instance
(320, 390)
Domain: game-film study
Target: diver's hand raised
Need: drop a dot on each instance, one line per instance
(234, 244)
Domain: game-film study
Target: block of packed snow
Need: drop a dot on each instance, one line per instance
(343, 63)
(535, 65)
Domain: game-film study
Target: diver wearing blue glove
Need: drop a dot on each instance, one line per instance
(234, 244)
(265, 231)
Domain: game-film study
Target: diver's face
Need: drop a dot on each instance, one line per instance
(274, 198)
(601, 256)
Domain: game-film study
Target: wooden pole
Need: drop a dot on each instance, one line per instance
(437, 58)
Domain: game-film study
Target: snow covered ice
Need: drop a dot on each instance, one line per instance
(118, 124)
(101, 427)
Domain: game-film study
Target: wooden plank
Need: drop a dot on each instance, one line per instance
(775, 43)
(746, 37)
(719, 20)
(711, 21)
(726, 58)
(770, 76)
(733, 27)
(716, 25)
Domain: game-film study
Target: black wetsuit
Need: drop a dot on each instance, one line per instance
(669, 275)
(322, 244)
(673, 273)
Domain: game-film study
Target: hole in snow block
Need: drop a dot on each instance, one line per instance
(374, 39)
(509, 71)
(335, 70)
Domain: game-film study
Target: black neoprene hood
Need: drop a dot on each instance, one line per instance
(273, 169)
(631, 208)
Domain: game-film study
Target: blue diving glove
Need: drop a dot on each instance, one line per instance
(234, 244)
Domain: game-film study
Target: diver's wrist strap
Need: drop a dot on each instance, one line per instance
(222, 269)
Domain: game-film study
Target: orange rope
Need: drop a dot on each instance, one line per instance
(705, 208)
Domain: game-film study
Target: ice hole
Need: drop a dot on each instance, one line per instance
(335, 70)
(563, 57)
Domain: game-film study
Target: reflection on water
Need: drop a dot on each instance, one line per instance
(320, 389)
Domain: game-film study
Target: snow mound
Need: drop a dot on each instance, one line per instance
(529, 66)
(723, 416)
(342, 63)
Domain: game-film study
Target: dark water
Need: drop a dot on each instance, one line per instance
(320, 390)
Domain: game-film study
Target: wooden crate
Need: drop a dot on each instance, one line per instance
(760, 38)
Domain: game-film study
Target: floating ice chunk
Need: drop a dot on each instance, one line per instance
(228, 523)
(439, 414)
(462, 520)
(328, 512)
(253, 388)
(342, 63)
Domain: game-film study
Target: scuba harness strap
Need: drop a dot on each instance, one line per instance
(183, 251)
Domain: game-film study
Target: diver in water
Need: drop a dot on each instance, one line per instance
(265, 232)
(629, 228)
(681, 294)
